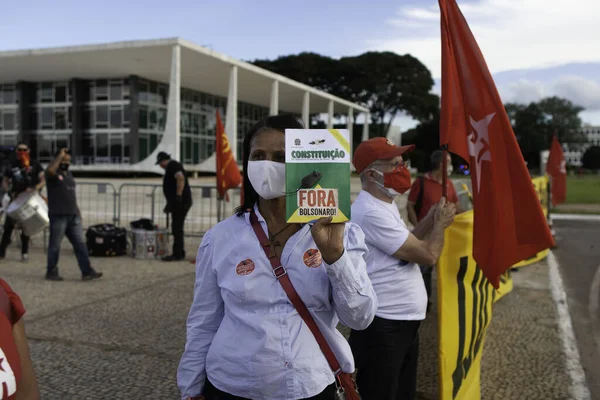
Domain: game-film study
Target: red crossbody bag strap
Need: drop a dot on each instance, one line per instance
(281, 275)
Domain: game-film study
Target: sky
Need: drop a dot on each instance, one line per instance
(534, 48)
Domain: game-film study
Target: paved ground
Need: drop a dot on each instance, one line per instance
(121, 337)
(578, 254)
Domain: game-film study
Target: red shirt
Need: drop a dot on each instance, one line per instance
(431, 195)
(11, 311)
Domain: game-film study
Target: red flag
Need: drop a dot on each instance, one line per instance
(557, 169)
(228, 173)
(509, 222)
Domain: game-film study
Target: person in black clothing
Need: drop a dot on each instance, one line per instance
(179, 201)
(65, 218)
(20, 176)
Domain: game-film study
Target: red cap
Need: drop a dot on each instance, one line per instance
(374, 149)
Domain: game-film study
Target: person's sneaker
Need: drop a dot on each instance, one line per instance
(171, 258)
(24, 257)
(91, 275)
(53, 276)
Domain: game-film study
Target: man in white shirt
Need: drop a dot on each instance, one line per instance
(386, 352)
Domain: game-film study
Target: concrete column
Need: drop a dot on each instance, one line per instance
(306, 109)
(174, 106)
(134, 123)
(350, 120)
(330, 115)
(365, 132)
(232, 113)
(274, 109)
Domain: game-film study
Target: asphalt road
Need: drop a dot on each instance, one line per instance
(578, 255)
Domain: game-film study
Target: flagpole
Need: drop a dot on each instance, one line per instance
(445, 171)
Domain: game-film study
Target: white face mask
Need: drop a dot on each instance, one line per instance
(267, 178)
(449, 169)
(388, 191)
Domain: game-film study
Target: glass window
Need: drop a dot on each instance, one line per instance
(46, 118)
(44, 147)
(60, 118)
(143, 147)
(143, 91)
(101, 145)
(101, 89)
(116, 91)
(143, 117)
(188, 149)
(196, 151)
(101, 116)
(126, 115)
(45, 94)
(116, 117)
(153, 143)
(9, 96)
(126, 90)
(162, 119)
(88, 145)
(116, 146)
(162, 93)
(60, 94)
(60, 143)
(9, 121)
(153, 114)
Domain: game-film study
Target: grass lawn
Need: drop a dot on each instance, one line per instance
(583, 190)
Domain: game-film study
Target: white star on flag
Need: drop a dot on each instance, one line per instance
(563, 167)
(479, 144)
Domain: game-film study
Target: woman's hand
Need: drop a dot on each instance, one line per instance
(329, 238)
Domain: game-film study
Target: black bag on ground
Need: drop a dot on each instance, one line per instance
(106, 240)
(144, 223)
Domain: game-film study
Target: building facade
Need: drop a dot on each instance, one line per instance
(117, 105)
(573, 156)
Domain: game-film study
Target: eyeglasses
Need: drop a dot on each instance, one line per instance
(21, 150)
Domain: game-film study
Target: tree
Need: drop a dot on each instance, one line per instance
(536, 123)
(591, 158)
(385, 82)
(388, 84)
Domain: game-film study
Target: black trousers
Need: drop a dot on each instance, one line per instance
(386, 356)
(9, 225)
(178, 214)
(212, 393)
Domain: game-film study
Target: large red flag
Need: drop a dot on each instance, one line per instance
(228, 173)
(557, 169)
(509, 222)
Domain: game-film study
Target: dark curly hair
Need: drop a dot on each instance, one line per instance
(277, 123)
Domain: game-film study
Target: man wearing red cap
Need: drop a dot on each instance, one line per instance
(386, 352)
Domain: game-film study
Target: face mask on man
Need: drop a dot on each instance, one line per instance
(267, 178)
(23, 156)
(64, 166)
(449, 169)
(395, 182)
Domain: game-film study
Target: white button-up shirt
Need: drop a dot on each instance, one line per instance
(243, 332)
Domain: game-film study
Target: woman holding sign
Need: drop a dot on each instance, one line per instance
(269, 294)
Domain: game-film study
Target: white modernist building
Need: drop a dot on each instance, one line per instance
(573, 157)
(117, 105)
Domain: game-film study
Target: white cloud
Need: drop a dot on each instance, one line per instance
(581, 91)
(512, 34)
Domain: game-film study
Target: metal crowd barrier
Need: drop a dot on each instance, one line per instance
(101, 202)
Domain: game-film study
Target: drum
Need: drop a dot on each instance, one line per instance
(148, 245)
(30, 211)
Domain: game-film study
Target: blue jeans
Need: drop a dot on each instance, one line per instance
(70, 225)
